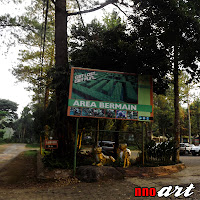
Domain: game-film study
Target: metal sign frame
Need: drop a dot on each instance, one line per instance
(112, 95)
(51, 144)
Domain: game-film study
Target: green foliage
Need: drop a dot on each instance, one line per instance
(2, 133)
(112, 20)
(85, 159)
(24, 127)
(2, 114)
(115, 46)
(195, 117)
(159, 153)
(39, 120)
(163, 116)
(8, 114)
(8, 109)
(173, 23)
(34, 145)
(34, 63)
(133, 148)
(2, 141)
(30, 153)
(118, 162)
(55, 160)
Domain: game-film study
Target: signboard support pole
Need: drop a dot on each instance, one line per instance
(97, 133)
(143, 129)
(75, 145)
(40, 145)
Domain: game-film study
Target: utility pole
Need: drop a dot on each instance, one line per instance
(189, 122)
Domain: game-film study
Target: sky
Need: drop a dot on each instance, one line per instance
(9, 87)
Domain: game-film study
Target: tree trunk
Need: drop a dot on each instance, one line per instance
(176, 105)
(61, 78)
(46, 97)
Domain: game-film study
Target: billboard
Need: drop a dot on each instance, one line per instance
(113, 95)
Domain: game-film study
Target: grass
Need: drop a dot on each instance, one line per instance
(2, 141)
(156, 163)
(30, 153)
(133, 148)
(34, 145)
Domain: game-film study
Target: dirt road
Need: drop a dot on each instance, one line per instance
(191, 174)
(10, 151)
(18, 181)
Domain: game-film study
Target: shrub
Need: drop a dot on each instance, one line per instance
(54, 160)
(160, 152)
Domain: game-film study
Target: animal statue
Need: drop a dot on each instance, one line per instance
(102, 159)
(125, 155)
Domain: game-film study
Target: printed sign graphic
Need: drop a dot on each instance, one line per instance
(105, 94)
(51, 144)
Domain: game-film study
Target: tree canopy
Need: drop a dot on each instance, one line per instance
(113, 45)
(8, 108)
(158, 38)
(8, 113)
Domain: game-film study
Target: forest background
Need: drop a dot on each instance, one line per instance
(156, 36)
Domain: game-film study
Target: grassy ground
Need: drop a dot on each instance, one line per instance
(21, 171)
(35, 145)
(2, 142)
(132, 148)
(30, 153)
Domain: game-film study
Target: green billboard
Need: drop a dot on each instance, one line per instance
(105, 94)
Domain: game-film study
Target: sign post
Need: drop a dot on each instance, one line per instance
(75, 146)
(143, 130)
(110, 95)
(40, 145)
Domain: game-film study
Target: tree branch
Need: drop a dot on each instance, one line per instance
(120, 9)
(26, 28)
(80, 14)
(93, 9)
(53, 2)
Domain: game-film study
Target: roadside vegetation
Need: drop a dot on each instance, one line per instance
(34, 145)
(158, 38)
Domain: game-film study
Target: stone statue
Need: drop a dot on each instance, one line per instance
(125, 154)
(102, 159)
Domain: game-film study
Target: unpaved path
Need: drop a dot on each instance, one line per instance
(18, 182)
(191, 174)
(10, 151)
(18, 169)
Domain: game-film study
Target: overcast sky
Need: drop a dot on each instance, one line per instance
(9, 88)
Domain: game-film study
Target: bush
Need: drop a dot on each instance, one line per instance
(118, 163)
(54, 160)
(2, 141)
(85, 158)
(33, 145)
(159, 154)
